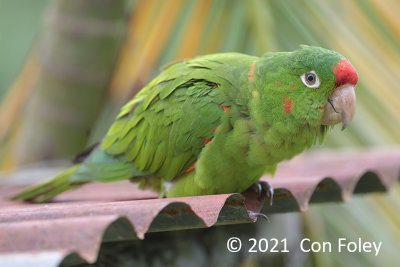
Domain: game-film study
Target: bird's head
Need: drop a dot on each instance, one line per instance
(314, 85)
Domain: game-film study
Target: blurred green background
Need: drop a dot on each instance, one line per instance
(19, 24)
(89, 58)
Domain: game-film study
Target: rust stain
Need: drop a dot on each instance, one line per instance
(234, 202)
(175, 211)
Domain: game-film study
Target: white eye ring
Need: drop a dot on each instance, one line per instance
(310, 79)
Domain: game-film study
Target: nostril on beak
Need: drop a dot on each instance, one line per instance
(341, 106)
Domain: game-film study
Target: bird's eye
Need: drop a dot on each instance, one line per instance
(310, 79)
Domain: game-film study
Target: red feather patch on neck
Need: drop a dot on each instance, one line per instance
(251, 72)
(287, 105)
(345, 73)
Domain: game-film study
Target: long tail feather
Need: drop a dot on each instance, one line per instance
(56, 185)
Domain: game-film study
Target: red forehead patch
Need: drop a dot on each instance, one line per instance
(345, 73)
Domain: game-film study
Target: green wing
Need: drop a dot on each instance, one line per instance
(164, 128)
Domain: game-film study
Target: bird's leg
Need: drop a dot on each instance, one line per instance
(264, 190)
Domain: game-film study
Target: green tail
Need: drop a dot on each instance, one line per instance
(99, 166)
(58, 184)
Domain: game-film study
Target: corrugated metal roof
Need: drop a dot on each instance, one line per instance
(77, 221)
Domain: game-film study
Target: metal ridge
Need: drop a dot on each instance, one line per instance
(78, 221)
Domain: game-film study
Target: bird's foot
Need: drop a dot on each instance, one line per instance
(264, 190)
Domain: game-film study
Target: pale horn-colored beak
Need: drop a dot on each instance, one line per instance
(340, 107)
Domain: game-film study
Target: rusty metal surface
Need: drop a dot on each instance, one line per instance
(76, 222)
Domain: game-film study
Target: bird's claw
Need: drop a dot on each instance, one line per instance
(254, 215)
(264, 189)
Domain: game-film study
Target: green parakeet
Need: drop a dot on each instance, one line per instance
(214, 124)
